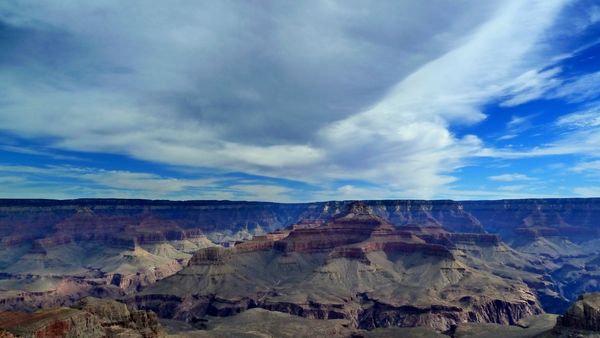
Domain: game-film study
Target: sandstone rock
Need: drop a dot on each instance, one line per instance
(90, 317)
(115, 314)
(6, 334)
(61, 322)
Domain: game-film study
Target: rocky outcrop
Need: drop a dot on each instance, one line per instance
(356, 225)
(65, 293)
(370, 315)
(131, 282)
(584, 314)
(114, 314)
(211, 256)
(91, 317)
(61, 322)
(261, 242)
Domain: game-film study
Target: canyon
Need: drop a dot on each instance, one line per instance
(360, 266)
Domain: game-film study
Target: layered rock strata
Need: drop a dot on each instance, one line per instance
(91, 317)
(356, 267)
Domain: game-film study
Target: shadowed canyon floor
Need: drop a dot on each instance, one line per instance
(375, 268)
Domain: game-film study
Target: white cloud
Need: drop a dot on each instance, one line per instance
(532, 85)
(510, 177)
(516, 126)
(318, 92)
(68, 181)
(143, 181)
(579, 89)
(582, 119)
(584, 22)
(594, 14)
(507, 137)
(579, 134)
(406, 135)
(514, 187)
(587, 191)
(591, 166)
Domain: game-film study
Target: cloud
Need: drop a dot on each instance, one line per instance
(143, 181)
(510, 177)
(578, 134)
(516, 126)
(406, 134)
(313, 91)
(579, 89)
(532, 85)
(591, 17)
(587, 191)
(590, 166)
(37, 152)
(582, 119)
(514, 187)
(64, 181)
(264, 192)
(551, 84)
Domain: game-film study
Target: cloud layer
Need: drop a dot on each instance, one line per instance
(325, 93)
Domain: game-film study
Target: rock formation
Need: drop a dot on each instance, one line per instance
(357, 267)
(583, 315)
(538, 251)
(88, 254)
(91, 317)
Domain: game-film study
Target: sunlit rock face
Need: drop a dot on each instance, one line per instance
(90, 317)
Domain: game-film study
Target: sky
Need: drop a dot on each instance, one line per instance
(295, 101)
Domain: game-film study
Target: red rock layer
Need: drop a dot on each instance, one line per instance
(60, 322)
(357, 225)
(259, 243)
(91, 317)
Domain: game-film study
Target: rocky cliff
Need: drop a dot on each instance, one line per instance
(357, 267)
(129, 244)
(91, 317)
(583, 315)
(23, 220)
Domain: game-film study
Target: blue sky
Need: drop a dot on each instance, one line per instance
(300, 101)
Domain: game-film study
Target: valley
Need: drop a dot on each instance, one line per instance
(349, 268)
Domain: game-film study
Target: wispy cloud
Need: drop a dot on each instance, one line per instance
(516, 126)
(579, 89)
(510, 177)
(590, 166)
(576, 133)
(532, 85)
(583, 119)
(69, 181)
(514, 187)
